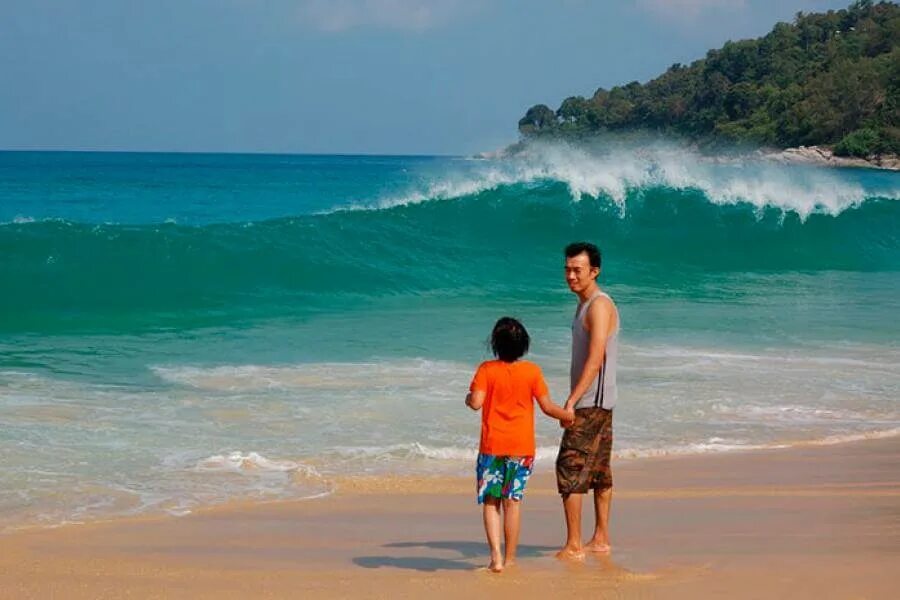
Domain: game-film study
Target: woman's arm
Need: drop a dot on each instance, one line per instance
(475, 400)
(552, 410)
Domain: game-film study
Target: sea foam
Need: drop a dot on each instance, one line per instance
(629, 170)
(322, 376)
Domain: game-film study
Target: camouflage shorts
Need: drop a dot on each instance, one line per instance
(584, 452)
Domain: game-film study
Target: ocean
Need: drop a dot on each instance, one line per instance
(183, 330)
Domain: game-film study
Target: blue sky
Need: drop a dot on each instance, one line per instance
(333, 76)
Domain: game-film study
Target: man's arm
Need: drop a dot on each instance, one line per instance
(597, 321)
(475, 400)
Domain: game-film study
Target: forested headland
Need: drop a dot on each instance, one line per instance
(827, 79)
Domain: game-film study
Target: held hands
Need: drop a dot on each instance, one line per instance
(569, 419)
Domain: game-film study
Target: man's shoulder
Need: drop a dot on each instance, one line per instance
(603, 307)
(602, 303)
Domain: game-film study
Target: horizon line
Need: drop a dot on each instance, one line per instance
(229, 152)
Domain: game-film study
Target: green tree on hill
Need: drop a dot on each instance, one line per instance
(826, 79)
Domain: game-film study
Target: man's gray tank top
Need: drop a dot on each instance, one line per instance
(603, 389)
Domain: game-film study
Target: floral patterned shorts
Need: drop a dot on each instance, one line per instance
(502, 476)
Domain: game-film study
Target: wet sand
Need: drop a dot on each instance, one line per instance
(814, 522)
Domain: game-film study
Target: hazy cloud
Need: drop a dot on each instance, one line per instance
(411, 15)
(687, 9)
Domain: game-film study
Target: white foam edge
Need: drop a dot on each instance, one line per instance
(711, 445)
(804, 191)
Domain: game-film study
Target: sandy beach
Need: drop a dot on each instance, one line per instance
(266, 316)
(809, 522)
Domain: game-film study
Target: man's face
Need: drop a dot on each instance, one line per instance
(579, 272)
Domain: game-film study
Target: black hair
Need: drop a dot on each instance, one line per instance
(593, 252)
(509, 339)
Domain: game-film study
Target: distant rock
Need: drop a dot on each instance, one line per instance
(820, 155)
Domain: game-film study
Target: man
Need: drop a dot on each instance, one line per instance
(584, 452)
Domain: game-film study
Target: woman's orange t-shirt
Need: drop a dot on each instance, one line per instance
(507, 416)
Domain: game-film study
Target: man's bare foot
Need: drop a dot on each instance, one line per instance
(509, 563)
(568, 553)
(598, 547)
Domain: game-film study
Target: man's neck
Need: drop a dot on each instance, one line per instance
(586, 295)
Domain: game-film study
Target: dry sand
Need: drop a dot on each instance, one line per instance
(815, 522)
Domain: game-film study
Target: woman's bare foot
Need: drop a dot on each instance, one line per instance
(496, 566)
(568, 553)
(598, 547)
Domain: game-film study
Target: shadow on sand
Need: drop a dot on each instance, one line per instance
(465, 550)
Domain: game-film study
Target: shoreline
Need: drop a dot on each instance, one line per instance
(393, 482)
(812, 521)
(390, 481)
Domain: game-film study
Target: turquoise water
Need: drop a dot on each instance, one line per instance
(180, 329)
